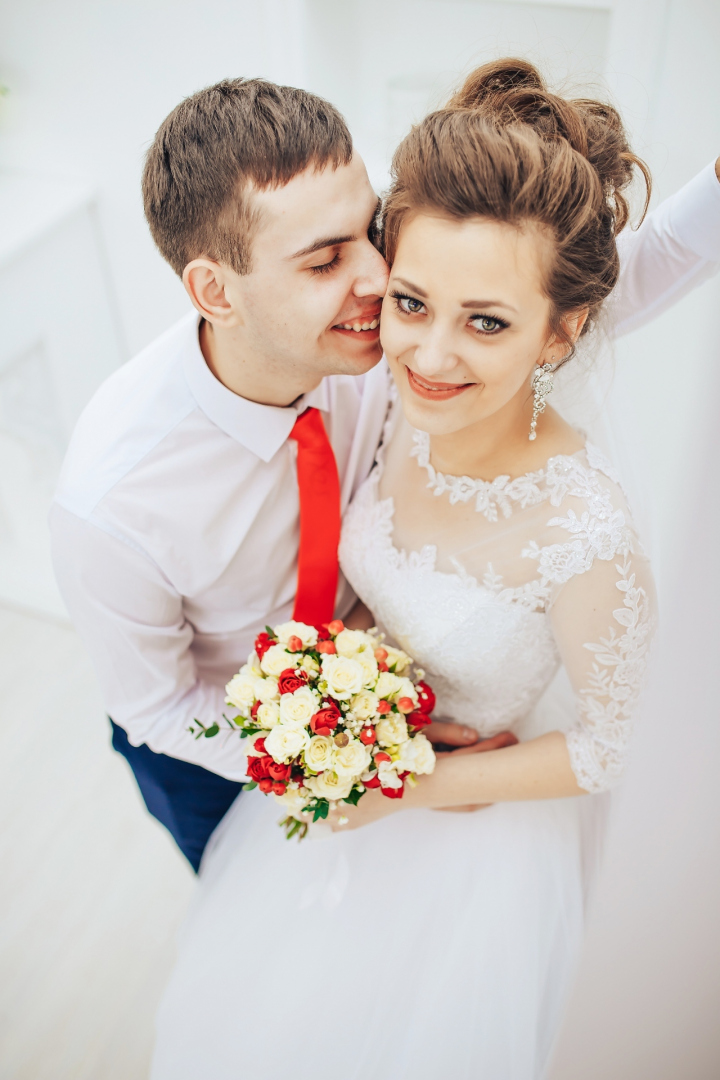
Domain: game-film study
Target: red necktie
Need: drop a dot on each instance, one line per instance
(319, 520)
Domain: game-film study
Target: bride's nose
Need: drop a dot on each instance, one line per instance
(434, 354)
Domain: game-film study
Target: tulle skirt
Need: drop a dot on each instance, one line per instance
(428, 945)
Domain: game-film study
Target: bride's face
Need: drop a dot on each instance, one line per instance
(465, 321)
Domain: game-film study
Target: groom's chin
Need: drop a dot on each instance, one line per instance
(356, 360)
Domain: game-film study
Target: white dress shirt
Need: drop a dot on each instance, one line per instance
(175, 525)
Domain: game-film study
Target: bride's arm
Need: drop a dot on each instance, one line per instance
(602, 620)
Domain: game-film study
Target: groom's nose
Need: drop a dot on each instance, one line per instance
(372, 273)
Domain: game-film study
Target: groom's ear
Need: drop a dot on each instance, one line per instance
(206, 283)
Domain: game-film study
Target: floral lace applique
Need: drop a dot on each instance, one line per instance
(598, 744)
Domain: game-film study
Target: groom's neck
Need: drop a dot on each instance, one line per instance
(243, 368)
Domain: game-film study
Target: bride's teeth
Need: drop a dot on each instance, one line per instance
(365, 326)
(356, 327)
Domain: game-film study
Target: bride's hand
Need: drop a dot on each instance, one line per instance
(373, 806)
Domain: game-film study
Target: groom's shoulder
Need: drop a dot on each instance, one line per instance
(127, 417)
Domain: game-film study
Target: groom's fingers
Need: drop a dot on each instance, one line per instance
(497, 742)
(442, 731)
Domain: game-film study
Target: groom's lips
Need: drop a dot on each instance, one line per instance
(434, 391)
(360, 335)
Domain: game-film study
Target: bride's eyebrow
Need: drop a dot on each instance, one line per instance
(487, 303)
(412, 288)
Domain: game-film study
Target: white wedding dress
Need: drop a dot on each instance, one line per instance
(432, 945)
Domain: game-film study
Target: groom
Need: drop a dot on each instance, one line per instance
(176, 521)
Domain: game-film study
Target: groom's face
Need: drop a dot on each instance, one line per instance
(314, 294)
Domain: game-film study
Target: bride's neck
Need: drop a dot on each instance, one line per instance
(499, 445)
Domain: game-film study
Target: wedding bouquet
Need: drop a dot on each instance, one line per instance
(329, 713)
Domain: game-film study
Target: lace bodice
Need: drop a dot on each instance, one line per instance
(491, 585)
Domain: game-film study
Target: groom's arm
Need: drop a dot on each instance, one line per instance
(675, 249)
(132, 623)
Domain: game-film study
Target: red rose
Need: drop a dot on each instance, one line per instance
(260, 745)
(373, 782)
(278, 771)
(382, 756)
(278, 788)
(322, 631)
(291, 680)
(368, 736)
(258, 767)
(418, 720)
(326, 647)
(393, 792)
(426, 697)
(254, 710)
(265, 785)
(326, 719)
(382, 666)
(262, 643)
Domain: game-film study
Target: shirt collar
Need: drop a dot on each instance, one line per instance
(262, 429)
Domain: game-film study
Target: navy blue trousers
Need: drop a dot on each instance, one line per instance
(187, 799)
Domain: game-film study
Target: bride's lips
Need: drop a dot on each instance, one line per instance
(434, 391)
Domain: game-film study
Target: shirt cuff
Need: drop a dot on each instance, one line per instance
(694, 214)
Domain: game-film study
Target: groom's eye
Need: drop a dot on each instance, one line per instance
(325, 268)
(408, 304)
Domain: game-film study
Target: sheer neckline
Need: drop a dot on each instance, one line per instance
(529, 489)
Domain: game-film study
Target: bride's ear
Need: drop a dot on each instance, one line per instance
(560, 344)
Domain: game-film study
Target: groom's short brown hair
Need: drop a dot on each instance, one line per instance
(219, 144)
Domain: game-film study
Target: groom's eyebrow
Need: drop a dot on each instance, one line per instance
(324, 242)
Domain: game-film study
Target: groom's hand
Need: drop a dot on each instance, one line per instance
(449, 738)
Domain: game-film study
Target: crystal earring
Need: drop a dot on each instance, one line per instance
(542, 385)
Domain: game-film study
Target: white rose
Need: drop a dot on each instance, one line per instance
(267, 690)
(328, 785)
(417, 755)
(293, 801)
(388, 777)
(277, 659)
(366, 659)
(268, 715)
(388, 685)
(351, 760)
(310, 665)
(344, 677)
(307, 634)
(285, 743)
(252, 667)
(319, 753)
(391, 730)
(407, 689)
(241, 691)
(297, 709)
(364, 705)
(397, 658)
(349, 642)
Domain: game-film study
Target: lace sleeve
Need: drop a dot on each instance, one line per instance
(603, 620)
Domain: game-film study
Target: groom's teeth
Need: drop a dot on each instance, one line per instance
(357, 327)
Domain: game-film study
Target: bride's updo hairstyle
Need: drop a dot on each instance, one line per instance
(507, 149)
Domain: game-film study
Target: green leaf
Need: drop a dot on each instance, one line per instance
(212, 730)
(250, 785)
(321, 809)
(354, 797)
(270, 632)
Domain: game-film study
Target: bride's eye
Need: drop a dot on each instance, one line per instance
(408, 304)
(487, 324)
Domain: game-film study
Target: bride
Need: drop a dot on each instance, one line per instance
(492, 543)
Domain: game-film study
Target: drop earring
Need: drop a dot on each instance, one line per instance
(542, 385)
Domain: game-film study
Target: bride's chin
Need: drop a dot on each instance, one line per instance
(435, 418)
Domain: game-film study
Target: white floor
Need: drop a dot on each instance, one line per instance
(91, 888)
